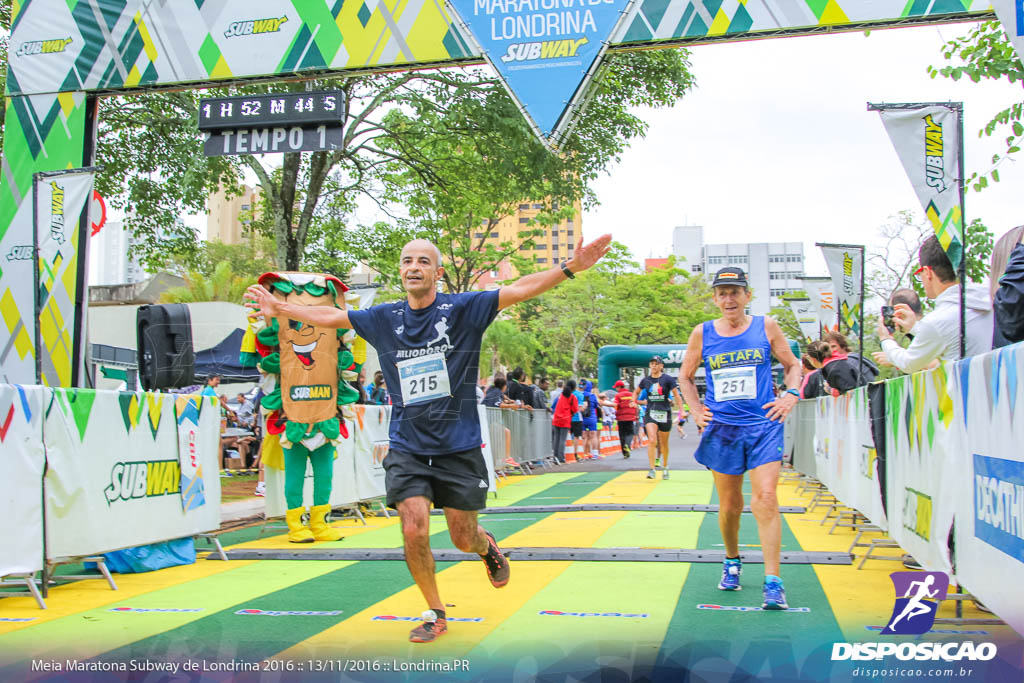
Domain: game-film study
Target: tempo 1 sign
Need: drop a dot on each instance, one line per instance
(273, 140)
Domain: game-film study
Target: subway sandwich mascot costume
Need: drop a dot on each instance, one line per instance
(306, 385)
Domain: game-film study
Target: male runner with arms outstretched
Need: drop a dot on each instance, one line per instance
(739, 435)
(429, 350)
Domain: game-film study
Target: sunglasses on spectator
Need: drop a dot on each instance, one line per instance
(917, 273)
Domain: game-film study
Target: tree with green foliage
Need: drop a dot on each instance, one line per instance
(505, 345)
(248, 260)
(223, 284)
(615, 302)
(484, 161)
(986, 53)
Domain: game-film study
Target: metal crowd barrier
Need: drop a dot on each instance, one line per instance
(530, 435)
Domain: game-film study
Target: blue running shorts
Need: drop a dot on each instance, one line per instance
(590, 425)
(734, 449)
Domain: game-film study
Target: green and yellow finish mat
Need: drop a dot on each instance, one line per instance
(304, 620)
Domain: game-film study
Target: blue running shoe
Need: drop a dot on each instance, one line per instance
(731, 570)
(774, 596)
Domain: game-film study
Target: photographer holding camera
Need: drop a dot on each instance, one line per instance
(936, 336)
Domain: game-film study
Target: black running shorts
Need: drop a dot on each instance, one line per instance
(454, 480)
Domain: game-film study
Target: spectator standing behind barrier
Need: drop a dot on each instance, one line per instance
(840, 369)
(813, 384)
(212, 382)
(515, 389)
(564, 408)
(539, 394)
(378, 393)
(625, 414)
(937, 335)
(1008, 288)
(495, 396)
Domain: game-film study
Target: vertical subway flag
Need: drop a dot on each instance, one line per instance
(844, 265)
(806, 314)
(926, 138)
(60, 200)
(546, 52)
(823, 298)
(1011, 14)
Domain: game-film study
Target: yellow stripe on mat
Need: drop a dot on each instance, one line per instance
(464, 587)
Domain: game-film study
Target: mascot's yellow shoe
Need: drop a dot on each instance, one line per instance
(297, 531)
(318, 523)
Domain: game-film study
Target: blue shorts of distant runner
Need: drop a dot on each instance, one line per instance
(734, 449)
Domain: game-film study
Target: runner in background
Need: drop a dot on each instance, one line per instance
(742, 421)
(661, 389)
(624, 404)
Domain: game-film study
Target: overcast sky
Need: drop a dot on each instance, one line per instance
(776, 144)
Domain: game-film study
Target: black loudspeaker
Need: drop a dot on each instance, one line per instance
(165, 355)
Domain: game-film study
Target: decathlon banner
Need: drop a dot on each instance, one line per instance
(846, 458)
(927, 141)
(61, 198)
(846, 264)
(114, 477)
(923, 465)
(806, 315)
(990, 483)
(1011, 14)
(546, 51)
(823, 298)
(21, 459)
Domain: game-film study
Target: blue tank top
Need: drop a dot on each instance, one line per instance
(738, 371)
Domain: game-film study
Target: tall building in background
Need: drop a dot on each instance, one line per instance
(227, 217)
(773, 268)
(555, 244)
(109, 263)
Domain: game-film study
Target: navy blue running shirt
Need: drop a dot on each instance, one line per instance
(453, 325)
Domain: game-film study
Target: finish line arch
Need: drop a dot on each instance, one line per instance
(66, 53)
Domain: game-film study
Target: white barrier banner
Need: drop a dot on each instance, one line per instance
(848, 455)
(114, 474)
(21, 460)
(990, 495)
(923, 480)
(371, 447)
(343, 484)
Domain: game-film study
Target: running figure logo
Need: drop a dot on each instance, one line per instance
(442, 332)
(914, 612)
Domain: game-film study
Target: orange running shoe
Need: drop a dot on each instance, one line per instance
(433, 627)
(497, 564)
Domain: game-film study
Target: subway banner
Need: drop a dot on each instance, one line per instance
(546, 52)
(114, 477)
(62, 199)
(990, 494)
(923, 464)
(927, 141)
(846, 265)
(846, 460)
(1011, 14)
(22, 460)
